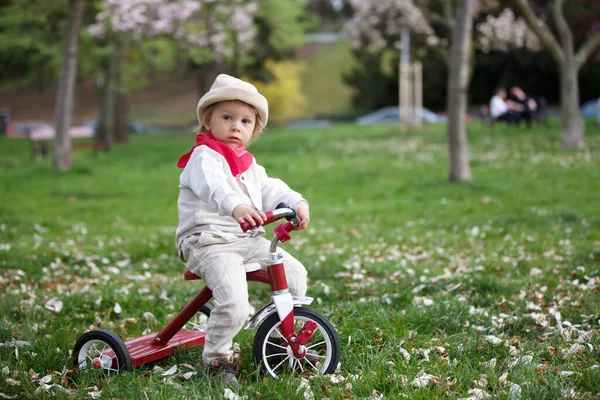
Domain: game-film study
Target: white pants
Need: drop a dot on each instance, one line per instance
(219, 262)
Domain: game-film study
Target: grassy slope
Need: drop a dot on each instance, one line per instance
(322, 82)
(498, 256)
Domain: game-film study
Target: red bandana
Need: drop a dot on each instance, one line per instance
(238, 158)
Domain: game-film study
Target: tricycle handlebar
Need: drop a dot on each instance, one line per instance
(287, 213)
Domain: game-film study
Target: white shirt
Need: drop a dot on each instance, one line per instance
(208, 193)
(497, 106)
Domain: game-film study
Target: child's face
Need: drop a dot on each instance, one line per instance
(232, 122)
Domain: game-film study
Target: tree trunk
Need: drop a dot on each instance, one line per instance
(573, 124)
(121, 110)
(66, 89)
(121, 113)
(458, 85)
(106, 123)
(205, 76)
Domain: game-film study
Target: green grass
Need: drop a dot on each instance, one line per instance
(467, 279)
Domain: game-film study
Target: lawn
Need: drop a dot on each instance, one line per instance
(490, 288)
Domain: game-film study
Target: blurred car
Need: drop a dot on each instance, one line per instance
(132, 126)
(590, 109)
(389, 115)
(309, 123)
(40, 130)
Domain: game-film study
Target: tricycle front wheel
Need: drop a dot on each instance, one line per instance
(274, 357)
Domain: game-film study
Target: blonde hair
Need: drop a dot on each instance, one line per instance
(210, 109)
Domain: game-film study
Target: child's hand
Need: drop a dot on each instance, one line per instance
(302, 213)
(243, 213)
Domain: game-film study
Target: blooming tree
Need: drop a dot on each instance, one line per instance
(561, 46)
(210, 30)
(507, 31)
(379, 24)
(208, 33)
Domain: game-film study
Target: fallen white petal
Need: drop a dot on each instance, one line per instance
(170, 371)
(424, 380)
(503, 377)
(515, 391)
(54, 305)
(188, 375)
(493, 339)
(405, 354)
(479, 393)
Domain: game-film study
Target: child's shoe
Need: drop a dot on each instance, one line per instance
(224, 370)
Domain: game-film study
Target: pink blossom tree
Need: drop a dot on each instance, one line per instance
(378, 24)
(212, 35)
(208, 32)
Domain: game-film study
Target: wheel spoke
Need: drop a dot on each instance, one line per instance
(109, 370)
(278, 365)
(276, 355)
(311, 364)
(276, 345)
(95, 349)
(315, 345)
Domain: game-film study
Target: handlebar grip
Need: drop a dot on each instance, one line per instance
(246, 225)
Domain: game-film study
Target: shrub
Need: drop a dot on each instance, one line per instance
(286, 101)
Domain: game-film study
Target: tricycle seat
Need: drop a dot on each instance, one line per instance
(190, 276)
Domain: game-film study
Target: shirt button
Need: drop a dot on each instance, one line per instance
(242, 178)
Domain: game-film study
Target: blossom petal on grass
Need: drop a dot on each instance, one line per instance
(425, 380)
(502, 378)
(479, 394)
(493, 339)
(515, 391)
(576, 348)
(54, 305)
(5, 396)
(230, 395)
(188, 375)
(405, 354)
(535, 271)
(117, 308)
(170, 371)
(490, 364)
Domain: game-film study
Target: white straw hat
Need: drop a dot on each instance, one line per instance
(226, 88)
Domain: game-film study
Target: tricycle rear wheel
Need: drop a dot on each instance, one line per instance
(198, 321)
(102, 349)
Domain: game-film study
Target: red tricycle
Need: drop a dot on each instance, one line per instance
(287, 331)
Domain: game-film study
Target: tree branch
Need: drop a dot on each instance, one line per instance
(586, 50)
(545, 37)
(449, 14)
(564, 32)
